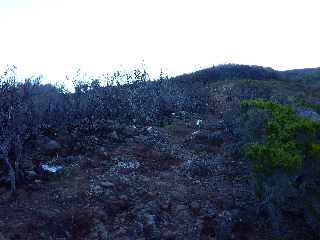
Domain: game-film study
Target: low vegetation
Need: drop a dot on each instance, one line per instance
(291, 138)
(166, 153)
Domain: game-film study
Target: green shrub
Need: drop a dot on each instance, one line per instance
(290, 138)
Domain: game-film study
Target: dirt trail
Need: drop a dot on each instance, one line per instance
(156, 185)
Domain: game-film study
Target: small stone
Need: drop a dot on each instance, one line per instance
(195, 207)
(114, 136)
(149, 219)
(165, 205)
(149, 129)
(123, 198)
(168, 235)
(30, 174)
(96, 190)
(107, 184)
(52, 146)
(102, 152)
(152, 194)
(199, 122)
(180, 207)
(178, 195)
(129, 131)
(121, 231)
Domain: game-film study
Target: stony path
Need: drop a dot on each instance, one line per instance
(148, 188)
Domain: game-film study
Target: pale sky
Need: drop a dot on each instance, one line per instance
(55, 37)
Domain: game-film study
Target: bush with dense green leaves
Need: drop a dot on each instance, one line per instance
(290, 140)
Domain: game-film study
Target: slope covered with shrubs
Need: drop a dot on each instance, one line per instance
(230, 129)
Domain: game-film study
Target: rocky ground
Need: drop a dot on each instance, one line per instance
(184, 180)
(180, 174)
(181, 181)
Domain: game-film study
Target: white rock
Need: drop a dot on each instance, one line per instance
(51, 168)
(195, 133)
(199, 122)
